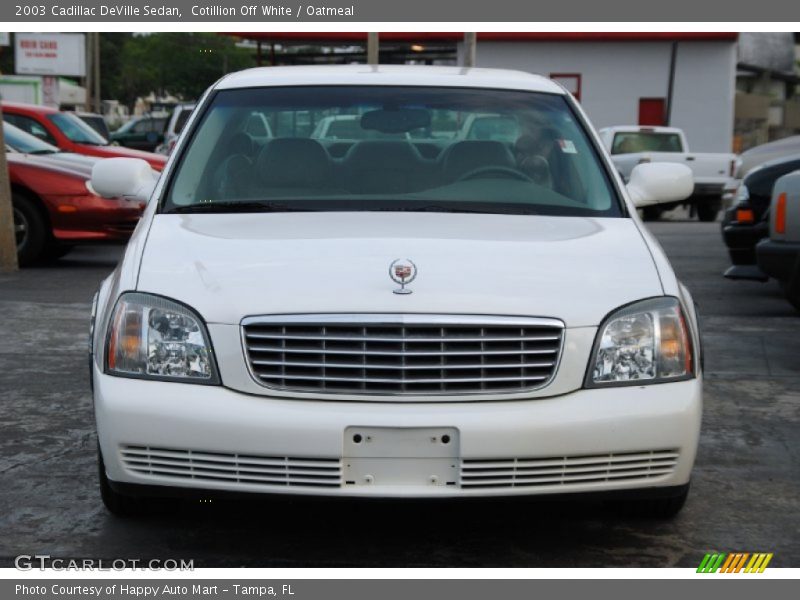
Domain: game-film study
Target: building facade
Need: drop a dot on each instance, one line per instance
(624, 79)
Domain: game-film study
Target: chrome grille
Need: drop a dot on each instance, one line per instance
(402, 354)
(233, 468)
(564, 471)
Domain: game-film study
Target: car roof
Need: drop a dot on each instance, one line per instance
(773, 163)
(403, 75)
(34, 108)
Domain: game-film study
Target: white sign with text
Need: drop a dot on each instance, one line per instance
(50, 54)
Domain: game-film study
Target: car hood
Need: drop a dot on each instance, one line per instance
(155, 160)
(229, 266)
(77, 163)
(53, 162)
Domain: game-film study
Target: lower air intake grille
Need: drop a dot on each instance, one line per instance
(241, 468)
(566, 471)
(402, 354)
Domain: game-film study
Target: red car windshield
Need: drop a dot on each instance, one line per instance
(76, 130)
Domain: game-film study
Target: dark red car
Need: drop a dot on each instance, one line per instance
(53, 208)
(70, 133)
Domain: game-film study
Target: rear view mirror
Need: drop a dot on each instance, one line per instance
(657, 183)
(130, 178)
(401, 120)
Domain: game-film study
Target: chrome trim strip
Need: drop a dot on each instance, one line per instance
(404, 319)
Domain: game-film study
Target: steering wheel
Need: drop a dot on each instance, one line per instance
(508, 172)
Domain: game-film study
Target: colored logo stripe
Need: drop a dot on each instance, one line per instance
(734, 562)
(710, 563)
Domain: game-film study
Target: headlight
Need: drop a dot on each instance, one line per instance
(156, 338)
(645, 342)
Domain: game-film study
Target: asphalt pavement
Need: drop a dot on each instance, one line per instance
(745, 491)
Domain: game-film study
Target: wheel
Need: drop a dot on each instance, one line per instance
(654, 508)
(708, 211)
(32, 232)
(116, 503)
(652, 213)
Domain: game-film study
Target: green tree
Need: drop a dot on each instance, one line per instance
(184, 64)
(111, 45)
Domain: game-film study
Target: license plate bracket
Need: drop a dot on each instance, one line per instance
(401, 456)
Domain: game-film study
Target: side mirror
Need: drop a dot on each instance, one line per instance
(656, 183)
(130, 178)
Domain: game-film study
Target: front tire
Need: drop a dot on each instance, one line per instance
(792, 292)
(30, 229)
(654, 508)
(118, 504)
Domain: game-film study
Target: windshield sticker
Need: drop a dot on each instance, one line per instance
(567, 147)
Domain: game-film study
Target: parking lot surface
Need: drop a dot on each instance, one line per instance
(745, 491)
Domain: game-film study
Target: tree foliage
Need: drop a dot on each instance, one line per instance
(183, 64)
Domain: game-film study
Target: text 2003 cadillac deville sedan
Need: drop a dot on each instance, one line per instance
(402, 307)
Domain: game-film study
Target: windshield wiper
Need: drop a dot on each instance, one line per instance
(237, 207)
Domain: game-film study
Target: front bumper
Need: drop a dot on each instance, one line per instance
(741, 238)
(89, 218)
(780, 260)
(213, 438)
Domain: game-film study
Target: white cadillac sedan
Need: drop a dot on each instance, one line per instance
(447, 295)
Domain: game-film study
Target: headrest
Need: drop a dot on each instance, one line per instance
(293, 162)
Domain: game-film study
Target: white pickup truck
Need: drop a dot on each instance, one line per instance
(632, 145)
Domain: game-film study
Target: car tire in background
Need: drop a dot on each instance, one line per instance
(708, 211)
(652, 213)
(31, 230)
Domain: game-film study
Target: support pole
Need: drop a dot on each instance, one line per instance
(470, 48)
(373, 44)
(671, 84)
(88, 84)
(8, 239)
(98, 108)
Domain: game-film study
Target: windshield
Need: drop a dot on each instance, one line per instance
(76, 130)
(638, 141)
(402, 148)
(24, 142)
